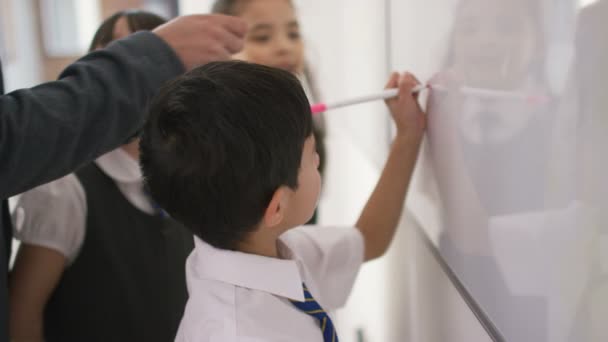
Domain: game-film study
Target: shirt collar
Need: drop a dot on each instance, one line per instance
(280, 277)
(120, 166)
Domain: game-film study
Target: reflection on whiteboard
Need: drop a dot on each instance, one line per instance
(513, 178)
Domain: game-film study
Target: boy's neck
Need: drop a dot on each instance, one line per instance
(260, 244)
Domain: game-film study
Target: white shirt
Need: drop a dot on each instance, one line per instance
(54, 215)
(239, 297)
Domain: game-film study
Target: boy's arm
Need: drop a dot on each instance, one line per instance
(381, 214)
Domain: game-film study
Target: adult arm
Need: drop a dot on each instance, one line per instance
(97, 103)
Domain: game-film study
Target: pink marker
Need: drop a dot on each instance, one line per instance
(386, 94)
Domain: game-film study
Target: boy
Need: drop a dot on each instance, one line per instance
(228, 150)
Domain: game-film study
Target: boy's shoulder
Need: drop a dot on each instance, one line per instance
(314, 238)
(331, 257)
(228, 289)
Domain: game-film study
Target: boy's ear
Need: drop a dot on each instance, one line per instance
(275, 212)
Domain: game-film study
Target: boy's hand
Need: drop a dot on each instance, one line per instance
(405, 110)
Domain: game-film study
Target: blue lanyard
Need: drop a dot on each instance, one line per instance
(157, 208)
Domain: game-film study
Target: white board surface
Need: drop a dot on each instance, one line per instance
(512, 186)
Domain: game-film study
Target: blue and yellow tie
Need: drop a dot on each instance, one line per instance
(312, 308)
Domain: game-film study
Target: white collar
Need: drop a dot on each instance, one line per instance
(280, 277)
(119, 166)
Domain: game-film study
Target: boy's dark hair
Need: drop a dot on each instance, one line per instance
(219, 141)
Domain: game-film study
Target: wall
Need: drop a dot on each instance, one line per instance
(23, 70)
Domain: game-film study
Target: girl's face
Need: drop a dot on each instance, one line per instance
(274, 35)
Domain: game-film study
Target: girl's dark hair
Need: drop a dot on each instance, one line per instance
(137, 20)
(227, 7)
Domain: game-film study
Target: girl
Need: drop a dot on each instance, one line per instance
(274, 39)
(97, 261)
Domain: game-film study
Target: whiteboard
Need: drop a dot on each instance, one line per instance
(512, 184)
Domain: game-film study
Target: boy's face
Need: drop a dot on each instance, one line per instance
(303, 200)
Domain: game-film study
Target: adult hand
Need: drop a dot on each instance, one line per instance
(200, 39)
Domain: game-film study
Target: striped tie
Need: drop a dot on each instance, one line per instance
(312, 308)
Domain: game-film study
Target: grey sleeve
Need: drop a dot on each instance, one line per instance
(98, 102)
